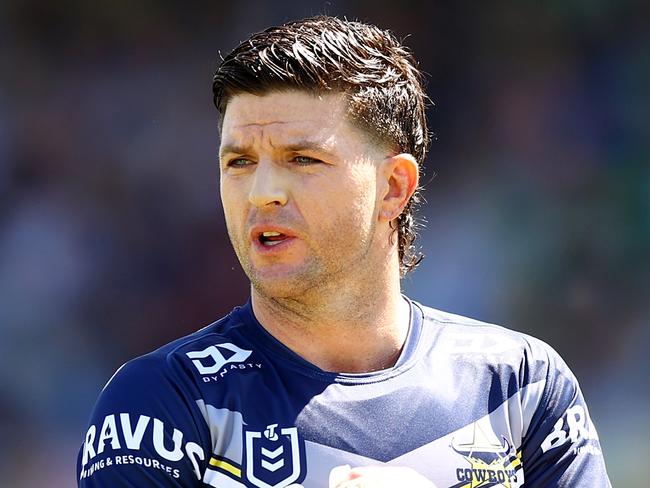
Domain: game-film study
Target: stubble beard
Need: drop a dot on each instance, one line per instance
(319, 275)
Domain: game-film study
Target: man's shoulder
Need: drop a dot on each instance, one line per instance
(224, 328)
(474, 339)
(170, 363)
(458, 324)
(152, 403)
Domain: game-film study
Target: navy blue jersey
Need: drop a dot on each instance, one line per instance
(468, 405)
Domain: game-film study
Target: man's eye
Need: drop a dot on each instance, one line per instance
(239, 163)
(305, 160)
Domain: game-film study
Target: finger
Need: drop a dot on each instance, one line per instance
(338, 475)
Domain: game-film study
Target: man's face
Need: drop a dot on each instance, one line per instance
(299, 190)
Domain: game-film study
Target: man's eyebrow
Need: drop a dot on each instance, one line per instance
(233, 149)
(294, 146)
(307, 145)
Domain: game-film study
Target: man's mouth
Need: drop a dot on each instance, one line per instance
(271, 238)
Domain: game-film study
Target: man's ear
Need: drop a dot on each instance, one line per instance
(401, 176)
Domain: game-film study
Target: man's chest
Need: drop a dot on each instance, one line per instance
(271, 437)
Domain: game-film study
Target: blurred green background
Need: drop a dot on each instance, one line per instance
(112, 240)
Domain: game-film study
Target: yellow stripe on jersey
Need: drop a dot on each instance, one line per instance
(515, 462)
(226, 466)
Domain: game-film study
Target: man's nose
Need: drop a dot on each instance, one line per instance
(269, 186)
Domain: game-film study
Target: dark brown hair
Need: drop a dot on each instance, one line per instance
(378, 75)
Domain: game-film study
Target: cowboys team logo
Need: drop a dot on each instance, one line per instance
(491, 463)
(273, 457)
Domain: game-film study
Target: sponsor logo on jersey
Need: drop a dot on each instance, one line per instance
(273, 457)
(574, 426)
(491, 463)
(125, 432)
(215, 361)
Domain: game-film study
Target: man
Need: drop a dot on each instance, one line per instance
(329, 376)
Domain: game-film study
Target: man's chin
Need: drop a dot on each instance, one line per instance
(282, 284)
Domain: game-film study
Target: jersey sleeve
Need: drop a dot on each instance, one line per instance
(145, 430)
(561, 447)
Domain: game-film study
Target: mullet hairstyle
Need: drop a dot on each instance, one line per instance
(378, 75)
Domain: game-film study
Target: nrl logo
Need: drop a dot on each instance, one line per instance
(273, 457)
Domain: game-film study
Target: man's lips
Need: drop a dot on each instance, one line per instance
(266, 237)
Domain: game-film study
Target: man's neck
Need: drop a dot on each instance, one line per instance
(342, 331)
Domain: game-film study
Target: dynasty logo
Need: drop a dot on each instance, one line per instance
(215, 362)
(491, 463)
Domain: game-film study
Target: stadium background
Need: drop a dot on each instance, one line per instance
(112, 239)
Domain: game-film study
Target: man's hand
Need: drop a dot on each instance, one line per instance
(377, 477)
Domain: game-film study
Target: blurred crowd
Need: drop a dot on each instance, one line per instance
(112, 239)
